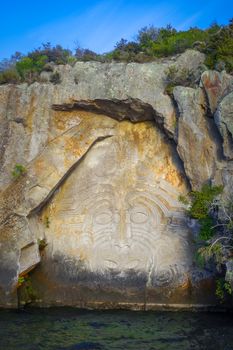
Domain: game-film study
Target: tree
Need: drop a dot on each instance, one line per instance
(147, 34)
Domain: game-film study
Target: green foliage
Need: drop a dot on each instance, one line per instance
(200, 259)
(223, 288)
(170, 43)
(183, 199)
(47, 222)
(201, 204)
(208, 252)
(150, 43)
(30, 291)
(9, 76)
(21, 280)
(29, 68)
(86, 55)
(27, 292)
(146, 35)
(206, 230)
(215, 218)
(42, 243)
(56, 54)
(127, 51)
(219, 46)
(202, 200)
(175, 77)
(18, 170)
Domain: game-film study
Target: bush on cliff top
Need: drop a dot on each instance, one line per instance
(150, 43)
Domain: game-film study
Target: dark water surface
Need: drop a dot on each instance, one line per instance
(102, 330)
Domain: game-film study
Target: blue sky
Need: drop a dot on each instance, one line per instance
(98, 25)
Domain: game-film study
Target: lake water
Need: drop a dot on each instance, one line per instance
(104, 330)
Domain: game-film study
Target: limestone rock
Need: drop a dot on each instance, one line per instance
(216, 85)
(124, 234)
(45, 77)
(224, 120)
(192, 60)
(107, 153)
(18, 236)
(196, 141)
(86, 81)
(129, 109)
(106, 201)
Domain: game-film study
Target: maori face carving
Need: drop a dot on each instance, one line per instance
(120, 216)
(121, 227)
(132, 231)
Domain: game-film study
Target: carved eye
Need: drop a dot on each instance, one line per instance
(132, 264)
(104, 218)
(138, 216)
(111, 264)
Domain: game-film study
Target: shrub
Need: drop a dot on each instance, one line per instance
(219, 46)
(216, 42)
(21, 281)
(223, 288)
(201, 206)
(56, 54)
(86, 55)
(170, 42)
(216, 231)
(29, 69)
(202, 202)
(42, 243)
(150, 43)
(18, 170)
(9, 76)
(27, 292)
(146, 35)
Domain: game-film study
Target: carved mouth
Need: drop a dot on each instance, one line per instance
(122, 266)
(122, 245)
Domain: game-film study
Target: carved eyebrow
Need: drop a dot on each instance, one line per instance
(68, 202)
(166, 203)
(149, 200)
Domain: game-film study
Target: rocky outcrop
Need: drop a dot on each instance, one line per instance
(196, 141)
(224, 120)
(130, 109)
(216, 86)
(107, 154)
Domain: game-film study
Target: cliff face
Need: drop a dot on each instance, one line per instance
(107, 153)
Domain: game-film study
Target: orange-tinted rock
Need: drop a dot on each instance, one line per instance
(216, 85)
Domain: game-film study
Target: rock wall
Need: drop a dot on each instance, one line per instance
(107, 154)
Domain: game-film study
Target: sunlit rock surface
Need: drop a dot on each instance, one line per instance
(116, 222)
(96, 219)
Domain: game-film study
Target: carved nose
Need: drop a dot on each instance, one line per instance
(122, 229)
